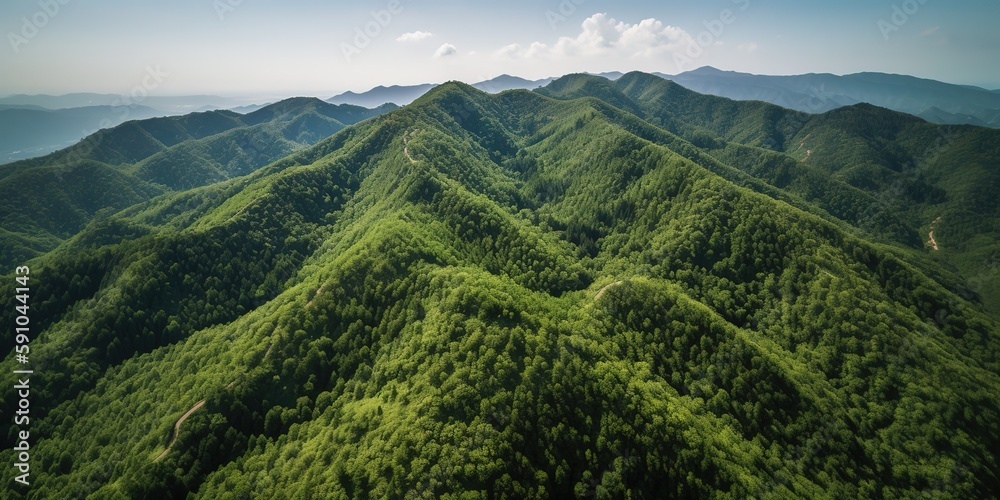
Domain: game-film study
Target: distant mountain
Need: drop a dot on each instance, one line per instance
(507, 82)
(28, 130)
(76, 100)
(938, 115)
(406, 94)
(396, 94)
(23, 106)
(816, 93)
(168, 105)
(250, 108)
(610, 75)
(48, 199)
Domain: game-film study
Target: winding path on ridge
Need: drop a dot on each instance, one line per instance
(606, 287)
(199, 404)
(177, 428)
(406, 147)
(933, 242)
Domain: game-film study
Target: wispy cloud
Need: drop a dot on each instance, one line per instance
(749, 48)
(931, 31)
(515, 50)
(414, 36)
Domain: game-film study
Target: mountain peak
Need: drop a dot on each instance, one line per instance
(449, 88)
(574, 80)
(290, 105)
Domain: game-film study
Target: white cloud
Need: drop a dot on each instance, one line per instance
(512, 50)
(604, 35)
(414, 36)
(749, 48)
(536, 49)
(446, 50)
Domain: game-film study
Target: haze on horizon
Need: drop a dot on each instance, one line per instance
(260, 47)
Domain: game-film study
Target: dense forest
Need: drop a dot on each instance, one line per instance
(598, 290)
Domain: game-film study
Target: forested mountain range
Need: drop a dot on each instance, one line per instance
(36, 125)
(48, 199)
(405, 94)
(934, 101)
(27, 131)
(30, 130)
(597, 289)
(815, 93)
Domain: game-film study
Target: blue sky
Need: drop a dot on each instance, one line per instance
(315, 47)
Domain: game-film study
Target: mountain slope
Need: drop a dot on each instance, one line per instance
(509, 295)
(893, 174)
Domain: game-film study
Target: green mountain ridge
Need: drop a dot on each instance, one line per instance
(600, 289)
(141, 159)
(819, 92)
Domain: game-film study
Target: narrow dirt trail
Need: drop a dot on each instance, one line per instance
(406, 147)
(177, 428)
(199, 404)
(606, 287)
(933, 242)
(310, 303)
(808, 151)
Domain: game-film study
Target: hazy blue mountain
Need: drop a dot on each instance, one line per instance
(938, 115)
(610, 75)
(250, 108)
(168, 105)
(75, 100)
(23, 106)
(507, 82)
(398, 94)
(406, 94)
(816, 93)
